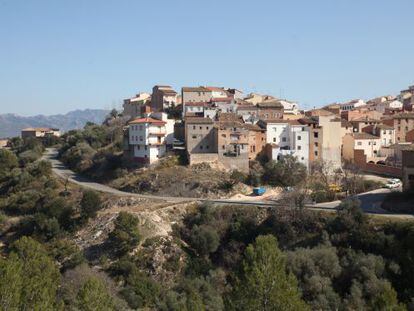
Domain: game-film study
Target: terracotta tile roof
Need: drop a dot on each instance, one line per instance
(147, 120)
(318, 112)
(221, 99)
(408, 115)
(364, 136)
(195, 89)
(271, 103)
(196, 104)
(198, 120)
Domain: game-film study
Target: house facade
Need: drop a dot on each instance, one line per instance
(147, 139)
(163, 97)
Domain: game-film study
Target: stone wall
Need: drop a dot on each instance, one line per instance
(360, 160)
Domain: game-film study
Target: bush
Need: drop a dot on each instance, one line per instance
(125, 235)
(90, 204)
(286, 172)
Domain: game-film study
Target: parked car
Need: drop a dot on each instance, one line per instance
(393, 183)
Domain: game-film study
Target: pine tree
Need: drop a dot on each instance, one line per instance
(93, 296)
(263, 283)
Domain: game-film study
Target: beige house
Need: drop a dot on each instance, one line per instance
(163, 97)
(133, 106)
(370, 144)
(200, 135)
(39, 132)
(195, 95)
(3, 143)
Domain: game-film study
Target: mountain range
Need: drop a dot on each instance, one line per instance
(12, 124)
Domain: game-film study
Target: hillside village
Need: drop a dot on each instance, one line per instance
(227, 129)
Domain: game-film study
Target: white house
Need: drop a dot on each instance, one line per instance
(287, 137)
(147, 138)
(289, 107)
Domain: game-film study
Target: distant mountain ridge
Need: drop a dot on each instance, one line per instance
(12, 124)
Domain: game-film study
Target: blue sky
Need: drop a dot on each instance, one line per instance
(56, 55)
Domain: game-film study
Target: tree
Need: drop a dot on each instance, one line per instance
(204, 239)
(29, 278)
(90, 204)
(286, 172)
(11, 282)
(263, 283)
(125, 235)
(94, 296)
(8, 161)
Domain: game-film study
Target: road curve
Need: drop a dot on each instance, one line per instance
(370, 201)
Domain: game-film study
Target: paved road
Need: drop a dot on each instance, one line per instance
(370, 201)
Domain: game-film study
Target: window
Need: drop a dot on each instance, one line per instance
(140, 138)
(299, 147)
(201, 147)
(194, 136)
(201, 127)
(299, 137)
(359, 143)
(303, 128)
(316, 144)
(390, 132)
(399, 128)
(223, 135)
(146, 147)
(207, 147)
(138, 147)
(369, 143)
(223, 147)
(206, 127)
(302, 158)
(284, 139)
(194, 127)
(316, 153)
(316, 134)
(140, 127)
(274, 139)
(384, 132)
(375, 143)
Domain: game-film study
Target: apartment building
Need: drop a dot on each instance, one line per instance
(133, 106)
(146, 138)
(370, 145)
(163, 97)
(39, 132)
(403, 124)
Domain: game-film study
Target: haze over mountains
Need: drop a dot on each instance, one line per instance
(11, 124)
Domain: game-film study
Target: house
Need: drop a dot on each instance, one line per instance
(289, 107)
(385, 132)
(408, 170)
(195, 109)
(325, 137)
(370, 145)
(235, 93)
(39, 132)
(147, 139)
(351, 105)
(403, 124)
(285, 137)
(270, 109)
(407, 98)
(163, 97)
(254, 98)
(361, 113)
(360, 123)
(133, 106)
(217, 92)
(3, 143)
(195, 95)
(200, 135)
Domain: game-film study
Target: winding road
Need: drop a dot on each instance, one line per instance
(370, 201)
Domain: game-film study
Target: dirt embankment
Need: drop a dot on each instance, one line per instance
(179, 181)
